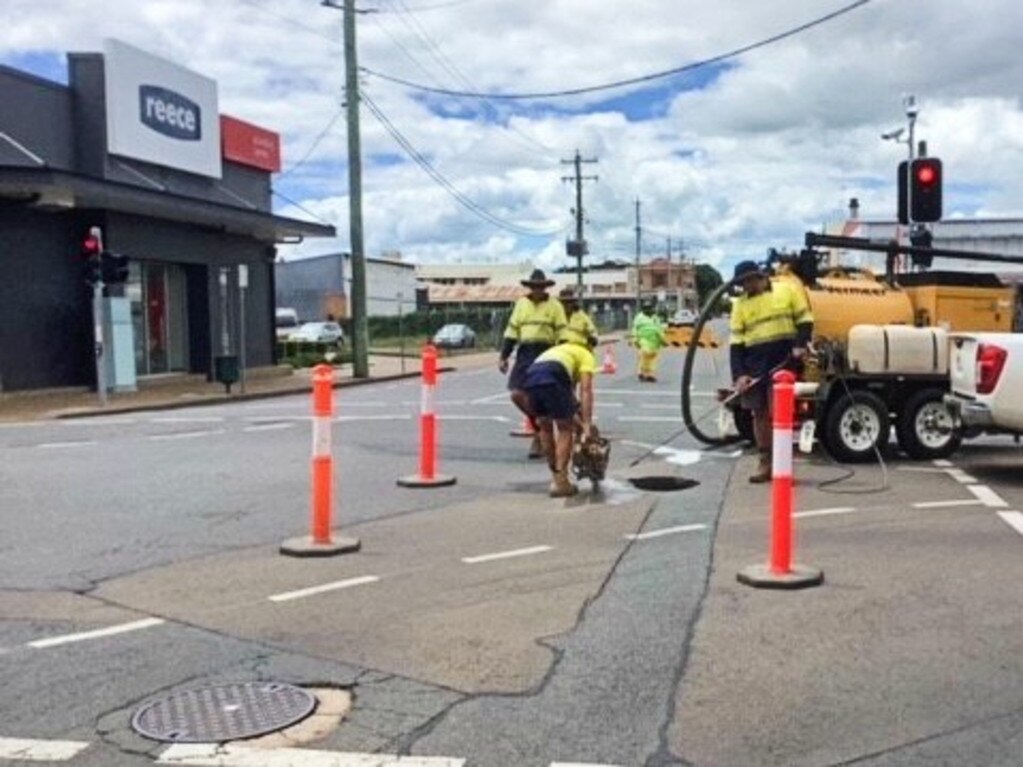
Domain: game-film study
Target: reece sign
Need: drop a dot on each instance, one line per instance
(159, 112)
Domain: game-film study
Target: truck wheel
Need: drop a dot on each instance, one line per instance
(925, 428)
(856, 426)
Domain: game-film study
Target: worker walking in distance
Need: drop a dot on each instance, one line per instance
(771, 326)
(580, 328)
(535, 325)
(649, 338)
(550, 385)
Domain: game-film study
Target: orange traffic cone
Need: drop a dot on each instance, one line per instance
(609, 367)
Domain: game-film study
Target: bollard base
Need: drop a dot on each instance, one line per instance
(761, 577)
(307, 547)
(439, 480)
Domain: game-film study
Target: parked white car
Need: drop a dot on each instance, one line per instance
(987, 381)
(319, 333)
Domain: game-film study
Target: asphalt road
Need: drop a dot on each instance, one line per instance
(485, 623)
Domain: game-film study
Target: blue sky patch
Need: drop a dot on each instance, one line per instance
(46, 64)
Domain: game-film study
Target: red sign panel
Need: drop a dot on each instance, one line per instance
(249, 144)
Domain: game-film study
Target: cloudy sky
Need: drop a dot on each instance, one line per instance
(729, 158)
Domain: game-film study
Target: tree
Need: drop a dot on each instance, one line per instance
(708, 279)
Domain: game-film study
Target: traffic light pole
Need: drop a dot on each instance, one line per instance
(99, 350)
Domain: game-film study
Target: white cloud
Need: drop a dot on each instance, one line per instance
(775, 145)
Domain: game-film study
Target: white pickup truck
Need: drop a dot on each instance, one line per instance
(987, 381)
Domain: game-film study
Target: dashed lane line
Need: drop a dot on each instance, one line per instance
(947, 504)
(665, 531)
(1013, 519)
(188, 419)
(506, 555)
(826, 512)
(649, 419)
(186, 435)
(987, 496)
(212, 755)
(23, 749)
(269, 427)
(58, 445)
(123, 628)
(324, 588)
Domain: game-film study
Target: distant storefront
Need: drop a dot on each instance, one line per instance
(135, 146)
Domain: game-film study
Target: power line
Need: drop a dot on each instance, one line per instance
(313, 146)
(287, 19)
(434, 7)
(300, 207)
(630, 81)
(443, 182)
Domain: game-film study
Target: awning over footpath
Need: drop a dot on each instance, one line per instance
(50, 189)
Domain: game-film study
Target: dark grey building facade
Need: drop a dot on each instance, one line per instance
(186, 233)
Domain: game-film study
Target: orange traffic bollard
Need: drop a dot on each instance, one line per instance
(608, 366)
(321, 542)
(428, 476)
(780, 573)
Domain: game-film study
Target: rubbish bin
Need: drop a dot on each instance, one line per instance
(225, 370)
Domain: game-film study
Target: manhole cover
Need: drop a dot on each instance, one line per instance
(222, 713)
(663, 484)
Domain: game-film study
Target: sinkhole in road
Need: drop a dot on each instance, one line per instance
(663, 484)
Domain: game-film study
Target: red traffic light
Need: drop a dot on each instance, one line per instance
(926, 174)
(91, 247)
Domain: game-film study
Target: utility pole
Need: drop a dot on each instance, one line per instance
(578, 248)
(639, 245)
(360, 326)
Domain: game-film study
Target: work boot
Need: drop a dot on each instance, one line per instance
(536, 447)
(763, 469)
(561, 486)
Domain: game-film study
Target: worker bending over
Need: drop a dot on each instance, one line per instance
(550, 385)
(771, 326)
(535, 325)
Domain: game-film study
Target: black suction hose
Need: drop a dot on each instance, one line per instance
(687, 370)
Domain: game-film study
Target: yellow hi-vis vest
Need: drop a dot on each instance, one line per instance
(771, 316)
(536, 323)
(580, 329)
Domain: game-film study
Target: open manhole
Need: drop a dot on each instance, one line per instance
(222, 713)
(663, 484)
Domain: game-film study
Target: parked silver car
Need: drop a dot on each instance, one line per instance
(319, 333)
(455, 337)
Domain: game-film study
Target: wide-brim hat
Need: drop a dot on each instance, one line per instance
(745, 269)
(538, 279)
(567, 295)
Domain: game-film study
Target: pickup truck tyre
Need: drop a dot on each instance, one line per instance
(856, 427)
(925, 428)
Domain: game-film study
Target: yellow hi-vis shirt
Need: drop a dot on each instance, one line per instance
(576, 359)
(580, 329)
(771, 316)
(536, 323)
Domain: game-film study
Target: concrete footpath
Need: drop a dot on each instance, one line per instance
(178, 391)
(911, 653)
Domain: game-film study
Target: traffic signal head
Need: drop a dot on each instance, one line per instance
(91, 249)
(925, 176)
(114, 268)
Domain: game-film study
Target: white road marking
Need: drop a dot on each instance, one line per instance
(665, 531)
(313, 590)
(21, 424)
(53, 445)
(390, 417)
(269, 427)
(84, 636)
(579, 764)
(961, 476)
(186, 435)
(681, 457)
(40, 750)
(278, 418)
(213, 755)
(609, 404)
(506, 554)
(943, 463)
(638, 392)
(502, 397)
(825, 512)
(1013, 519)
(497, 418)
(987, 496)
(188, 419)
(946, 504)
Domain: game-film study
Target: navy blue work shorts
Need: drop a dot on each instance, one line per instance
(550, 392)
(525, 355)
